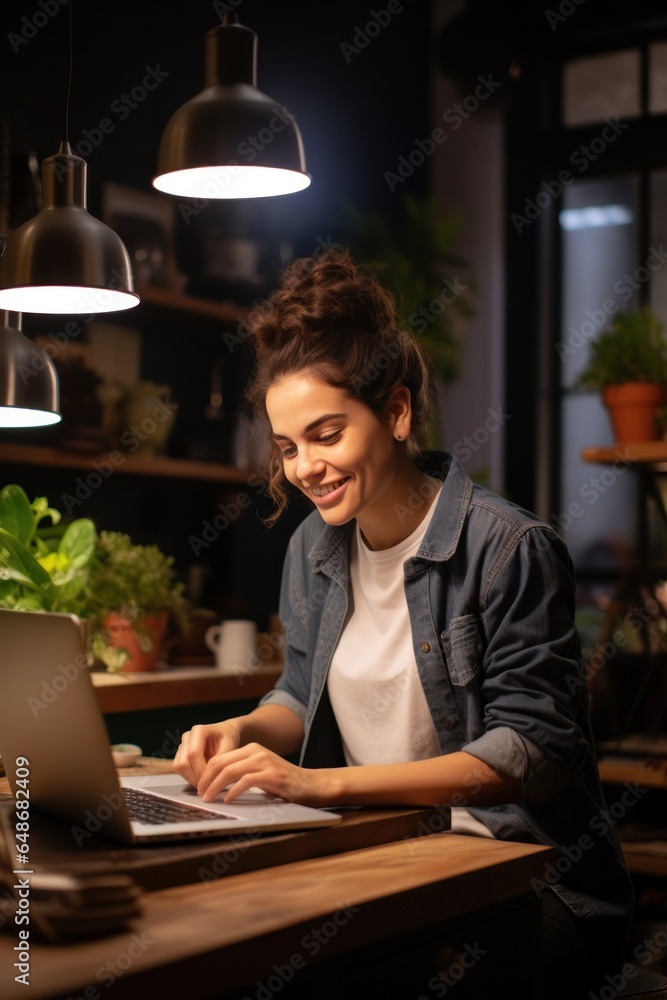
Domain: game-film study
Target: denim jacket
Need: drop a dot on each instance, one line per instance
(490, 596)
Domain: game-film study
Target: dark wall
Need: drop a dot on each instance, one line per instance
(357, 110)
(133, 64)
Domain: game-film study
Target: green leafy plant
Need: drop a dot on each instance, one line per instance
(632, 349)
(44, 564)
(135, 581)
(412, 253)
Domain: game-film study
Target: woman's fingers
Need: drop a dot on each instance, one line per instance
(254, 765)
(181, 762)
(210, 759)
(196, 747)
(218, 771)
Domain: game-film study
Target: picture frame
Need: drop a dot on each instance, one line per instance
(146, 224)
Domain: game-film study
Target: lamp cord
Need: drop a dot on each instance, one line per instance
(69, 76)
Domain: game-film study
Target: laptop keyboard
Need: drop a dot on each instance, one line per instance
(146, 808)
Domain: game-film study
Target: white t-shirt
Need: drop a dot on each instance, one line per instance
(373, 682)
(374, 687)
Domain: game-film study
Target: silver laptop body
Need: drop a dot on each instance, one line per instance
(50, 718)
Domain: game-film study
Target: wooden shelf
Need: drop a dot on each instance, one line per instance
(647, 766)
(640, 863)
(641, 453)
(188, 305)
(130, 692)
(171, 307)
(652, 859)
(126, 464)
(165, 306)
(617, 772)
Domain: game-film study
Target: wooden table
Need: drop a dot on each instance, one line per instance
(398, 920)
(343, 916)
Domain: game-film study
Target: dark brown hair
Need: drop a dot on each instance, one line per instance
(333, 318)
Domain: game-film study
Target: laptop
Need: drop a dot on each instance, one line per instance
(52, 731)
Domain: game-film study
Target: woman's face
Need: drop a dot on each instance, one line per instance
(334, 449)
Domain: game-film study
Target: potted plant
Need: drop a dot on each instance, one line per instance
(628, 365)
(133, 593)
(44, 564)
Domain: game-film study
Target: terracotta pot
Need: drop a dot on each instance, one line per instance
(121, 632)
(633, 408)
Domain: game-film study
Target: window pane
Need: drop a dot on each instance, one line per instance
(601, 275)
(598, 87)
(599, 227)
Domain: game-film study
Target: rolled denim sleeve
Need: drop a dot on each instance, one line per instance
(293, 686)
(532, 692)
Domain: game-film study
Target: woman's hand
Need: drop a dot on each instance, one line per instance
(202, 744)
(212, 757)
(236, 750)
(254, 765)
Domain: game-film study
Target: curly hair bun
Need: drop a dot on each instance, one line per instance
(318, 296)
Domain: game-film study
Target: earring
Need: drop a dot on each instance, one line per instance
(398, 437)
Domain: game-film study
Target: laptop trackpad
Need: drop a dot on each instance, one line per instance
(183, 791)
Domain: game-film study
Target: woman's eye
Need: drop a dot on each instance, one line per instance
(290, 451)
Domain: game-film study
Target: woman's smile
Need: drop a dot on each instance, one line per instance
(326, 489)
(327, 493)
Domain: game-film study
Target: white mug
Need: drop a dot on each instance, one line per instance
(234, 643)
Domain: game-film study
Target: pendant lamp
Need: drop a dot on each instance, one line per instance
(29, 395)
(231, 140)
(64, 260)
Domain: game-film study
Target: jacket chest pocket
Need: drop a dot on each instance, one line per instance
(464, 649)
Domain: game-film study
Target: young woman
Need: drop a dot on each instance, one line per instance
(431, 655)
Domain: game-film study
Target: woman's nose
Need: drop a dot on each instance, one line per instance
(308, 464)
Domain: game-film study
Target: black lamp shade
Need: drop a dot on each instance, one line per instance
(64, 260)
(231, 140)
(29, 394)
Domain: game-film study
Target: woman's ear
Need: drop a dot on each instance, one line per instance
(399, 413)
